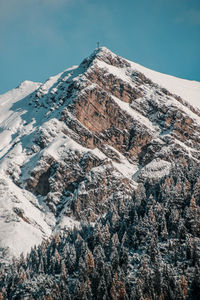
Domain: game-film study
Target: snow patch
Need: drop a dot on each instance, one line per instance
(63, 144)
(156, 169)
(126, 168)
(49, 83)
(67, 223)
(135, 115)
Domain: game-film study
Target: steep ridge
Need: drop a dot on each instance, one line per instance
(106, 144)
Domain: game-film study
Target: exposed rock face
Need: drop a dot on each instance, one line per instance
(98, 144)
(104, 108)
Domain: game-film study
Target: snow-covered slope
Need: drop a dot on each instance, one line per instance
(9, 98)
(22, 222)
(187, 89)
(71, 147)
(10, 120)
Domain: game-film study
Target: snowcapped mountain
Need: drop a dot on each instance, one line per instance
(72, 147)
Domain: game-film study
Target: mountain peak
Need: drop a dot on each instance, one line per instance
(188, 90)
(102, 160)
(107, 116)
(103, 51)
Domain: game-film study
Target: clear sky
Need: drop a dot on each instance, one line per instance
(40, 38)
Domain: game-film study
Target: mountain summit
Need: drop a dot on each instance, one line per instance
(111, 149)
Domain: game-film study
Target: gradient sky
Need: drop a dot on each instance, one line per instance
(40, 38)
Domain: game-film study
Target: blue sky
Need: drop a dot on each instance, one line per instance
(40, 38)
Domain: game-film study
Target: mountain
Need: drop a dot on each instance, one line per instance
(99, 166)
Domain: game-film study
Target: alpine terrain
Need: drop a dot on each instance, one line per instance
(100, 185)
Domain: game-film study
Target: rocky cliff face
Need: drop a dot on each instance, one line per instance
(103, 143)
